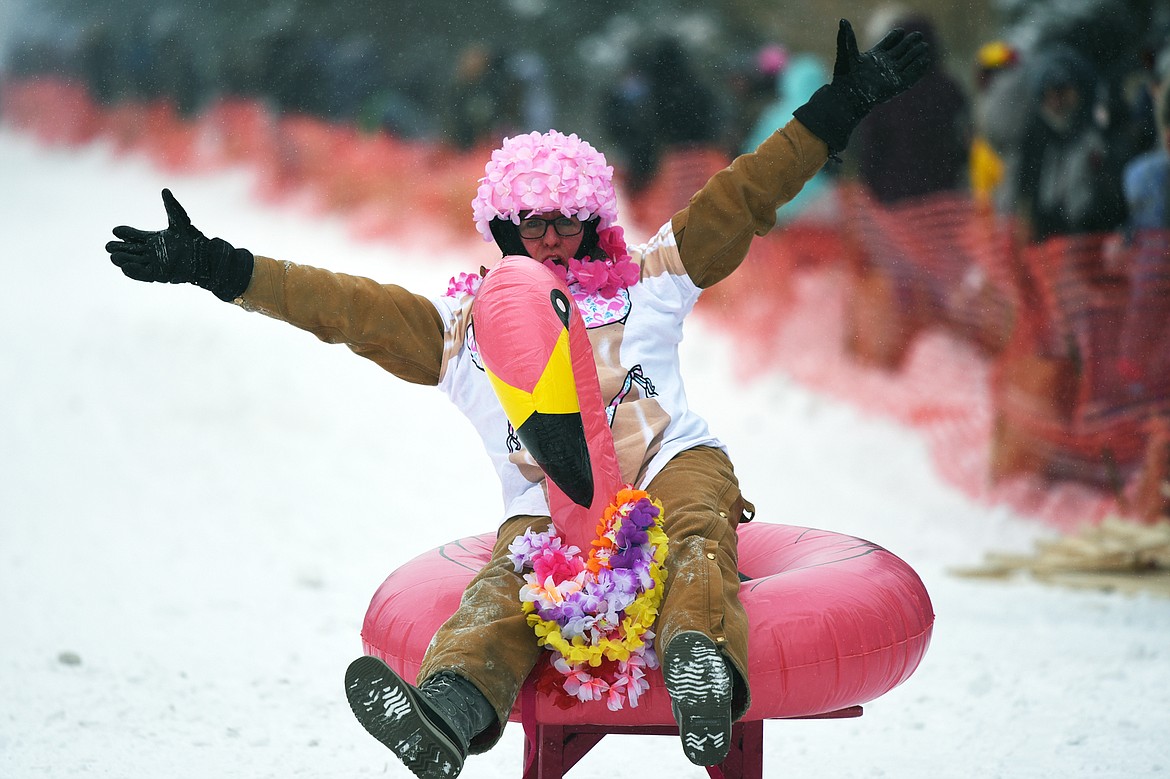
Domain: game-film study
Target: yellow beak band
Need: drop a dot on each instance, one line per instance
(555, 392)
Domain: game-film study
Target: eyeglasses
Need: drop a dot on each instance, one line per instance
(535, 227)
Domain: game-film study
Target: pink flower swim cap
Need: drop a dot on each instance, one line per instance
(537, 173)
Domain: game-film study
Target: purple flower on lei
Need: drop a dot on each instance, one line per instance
(528, 546)
(588, 604)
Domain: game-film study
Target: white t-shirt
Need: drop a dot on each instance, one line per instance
(635, 338)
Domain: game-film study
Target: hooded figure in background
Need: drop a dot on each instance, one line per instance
(1069, 179)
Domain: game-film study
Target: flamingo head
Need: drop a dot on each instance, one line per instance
(522, 317)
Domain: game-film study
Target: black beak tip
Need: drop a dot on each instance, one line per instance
(557, 443)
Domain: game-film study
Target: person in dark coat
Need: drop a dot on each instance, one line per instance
(895, 164)
(1070, 179)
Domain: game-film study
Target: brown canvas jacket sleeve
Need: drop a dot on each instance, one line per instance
(739, 202)
(397, 329)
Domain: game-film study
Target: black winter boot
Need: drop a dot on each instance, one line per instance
(429, 727)
(700, 687)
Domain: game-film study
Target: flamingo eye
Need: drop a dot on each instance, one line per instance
(561, 305)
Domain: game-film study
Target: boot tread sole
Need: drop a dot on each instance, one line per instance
(700, 690)
(390, 711)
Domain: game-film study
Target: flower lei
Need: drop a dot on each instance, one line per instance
(604, 276)
(595, 614)
(463, 284)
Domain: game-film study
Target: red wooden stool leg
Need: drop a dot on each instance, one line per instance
(551, 750)
(550, 757)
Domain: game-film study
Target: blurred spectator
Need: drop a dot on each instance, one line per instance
(658, 105)
(625, 112)
(484, 103)
(398, 112)
(1002, 111)
(534, 101)
(792, 82)
(174, 76)
(99, 60)
(1106, 33)
(292, 70)
(682, 106)
(1147, 177)
(794, 85)
(917, 145)
(752, 87)
(1069, 177)
(996, 64)
(350, 76)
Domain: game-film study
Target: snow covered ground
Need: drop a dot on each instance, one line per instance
(197, 503)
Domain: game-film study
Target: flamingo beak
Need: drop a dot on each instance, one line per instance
(548, 422)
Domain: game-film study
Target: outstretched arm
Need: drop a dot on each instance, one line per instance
(740, 202)
(399, 330)
(180, 254)
(395, 328)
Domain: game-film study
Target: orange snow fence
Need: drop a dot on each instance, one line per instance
(1038, 375)
(57, 112)
(929, 262)
(1086, 369)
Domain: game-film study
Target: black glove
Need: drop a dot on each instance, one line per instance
(181, 254)
(861, 81)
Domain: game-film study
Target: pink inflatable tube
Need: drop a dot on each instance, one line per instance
(835, 622)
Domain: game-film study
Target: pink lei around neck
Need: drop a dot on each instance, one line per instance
(605, 277)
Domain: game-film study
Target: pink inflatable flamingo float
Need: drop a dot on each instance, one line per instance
(539, 359)
(836, 621)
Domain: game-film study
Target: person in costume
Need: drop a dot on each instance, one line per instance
(550, 197)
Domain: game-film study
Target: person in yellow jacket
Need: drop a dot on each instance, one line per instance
(550, 197)
(987, 168)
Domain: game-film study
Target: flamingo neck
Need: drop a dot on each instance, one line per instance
(577, 524)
